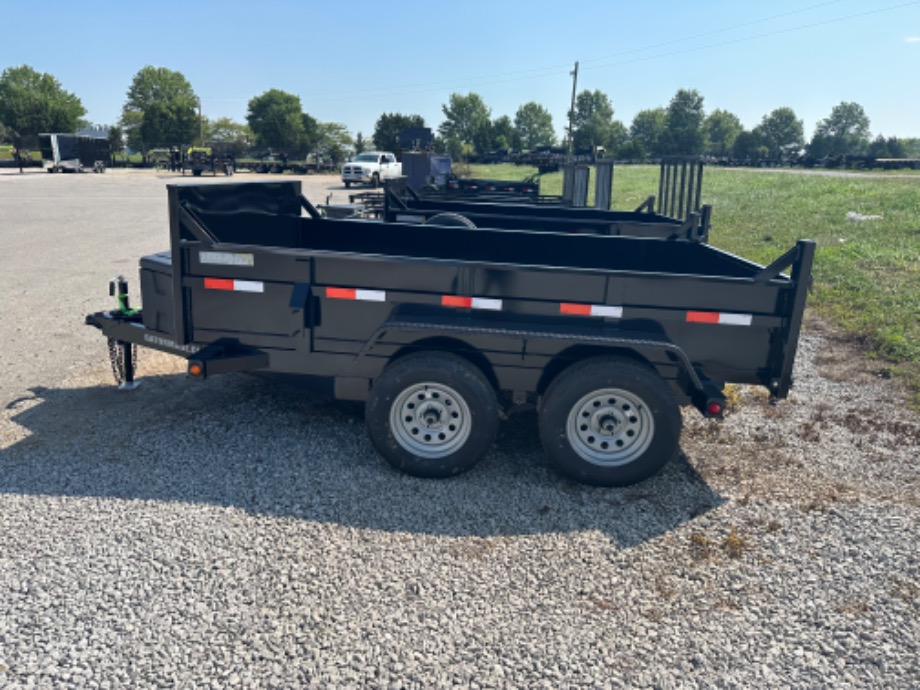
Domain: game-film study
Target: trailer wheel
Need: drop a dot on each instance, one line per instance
(432, 415)
(450, 220)
(609, 421)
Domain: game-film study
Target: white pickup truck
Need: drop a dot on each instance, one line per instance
(371, 167)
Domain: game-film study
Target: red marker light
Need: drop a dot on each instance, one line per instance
(715, 408)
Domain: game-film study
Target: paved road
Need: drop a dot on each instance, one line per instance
(63, 238)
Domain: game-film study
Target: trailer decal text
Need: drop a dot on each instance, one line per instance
(226, 259)
(166, 342)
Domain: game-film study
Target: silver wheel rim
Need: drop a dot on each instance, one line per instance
(610, 427)
(430, 420)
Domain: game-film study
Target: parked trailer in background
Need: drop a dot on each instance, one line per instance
(402, 204)
(74, 153)
(442, 331)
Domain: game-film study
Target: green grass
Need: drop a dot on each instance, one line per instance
(867, 274)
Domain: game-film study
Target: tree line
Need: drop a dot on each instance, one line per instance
(161, 109)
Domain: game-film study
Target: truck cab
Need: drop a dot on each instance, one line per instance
(371, 167)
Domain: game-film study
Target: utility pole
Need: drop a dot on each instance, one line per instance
(574, 74)
(200, 124)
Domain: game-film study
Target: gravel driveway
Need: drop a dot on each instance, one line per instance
(241, 533)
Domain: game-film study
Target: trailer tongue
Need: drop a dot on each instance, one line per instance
(443, 329)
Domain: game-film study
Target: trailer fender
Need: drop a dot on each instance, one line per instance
(456, 346)
(687, 384)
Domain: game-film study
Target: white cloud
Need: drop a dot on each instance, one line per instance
(912, 39)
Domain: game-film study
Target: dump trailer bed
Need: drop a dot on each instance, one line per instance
(487, 319)
(402, 204)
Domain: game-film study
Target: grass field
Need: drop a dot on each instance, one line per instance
(867, 274)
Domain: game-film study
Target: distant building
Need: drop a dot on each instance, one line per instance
(97, 131)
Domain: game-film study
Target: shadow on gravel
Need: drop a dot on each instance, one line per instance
(245, 443)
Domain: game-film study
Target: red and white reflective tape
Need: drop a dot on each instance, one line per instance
(355, 294)
(471, 302)
(575, 309)
(721, 318)
(234, 285)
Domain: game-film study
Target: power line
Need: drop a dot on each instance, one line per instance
(594, 63)
(605, 61)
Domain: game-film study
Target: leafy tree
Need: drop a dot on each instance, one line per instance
(231, 137)
(467, 121)
(617, 139)
(684, 134)
(910, 147)
(721, 128)
(333, 141)
(782, 133)
(892, 147)
(533, 126)
(172, 106)
(225, 129)
(8, 135)
(631, 150)
(593, 123)
(845, 132)
(503, 134)
(32, 102)
(646, 132)
(311, 135)
(750, 145)
(167, 123)
(277, 122)
(360, 143)
(116, 139)
(388, 128)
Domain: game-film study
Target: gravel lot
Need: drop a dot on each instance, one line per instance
(238, 533)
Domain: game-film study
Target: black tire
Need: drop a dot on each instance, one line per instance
(432, 414)
(450, 220)
(347, 185)
(196, 172)
(609, 421)
(375, 180)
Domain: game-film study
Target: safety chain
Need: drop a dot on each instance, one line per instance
(118, 361)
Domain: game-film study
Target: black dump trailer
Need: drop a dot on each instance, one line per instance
(402, 204)
(443, 330)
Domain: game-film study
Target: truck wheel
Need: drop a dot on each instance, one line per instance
(347, 185)
(375, 180)
(609, 421)
(432, 415)
(450, 220)
(196, 173)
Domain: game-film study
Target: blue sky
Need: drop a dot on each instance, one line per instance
(351, 61)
